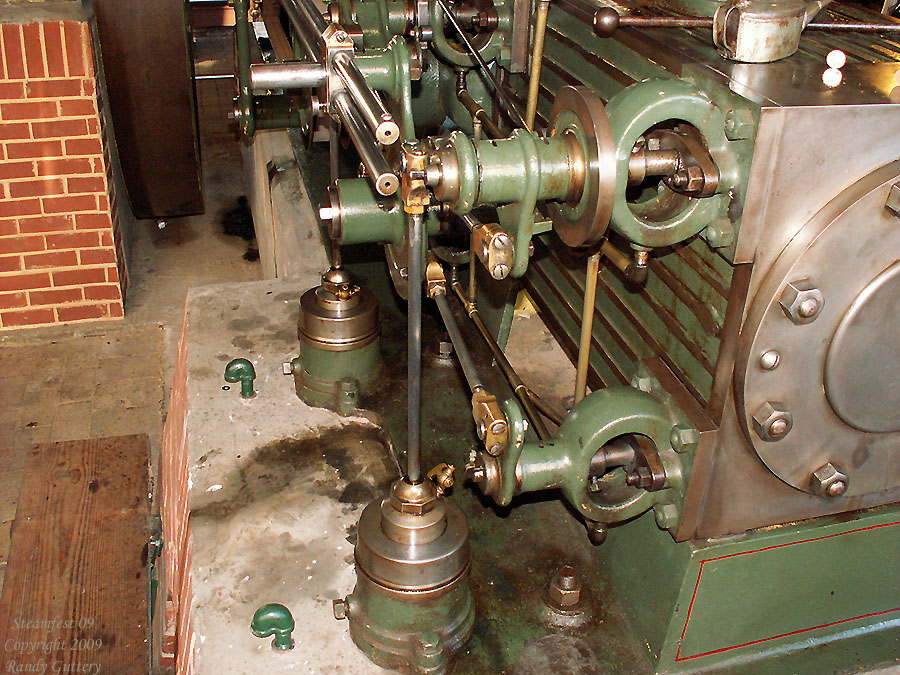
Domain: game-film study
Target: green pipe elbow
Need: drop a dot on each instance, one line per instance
(241, 370)
(274, 620)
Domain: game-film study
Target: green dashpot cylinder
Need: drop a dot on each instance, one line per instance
(339, 346)
(412, 608)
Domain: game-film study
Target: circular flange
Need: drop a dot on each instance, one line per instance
(578, 111)
(848, 252)
(862, 369)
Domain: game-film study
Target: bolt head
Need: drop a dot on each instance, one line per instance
(695, 179)
(480, 429)
(339, 607)
(801, 301)
(769, 360)
(829, 481)
(772, 421)
(500, 271)
(893, 201)
(565, 587)
(502, 241)
(683, 438)
(666, 516)
(498, 427)
(286, 368)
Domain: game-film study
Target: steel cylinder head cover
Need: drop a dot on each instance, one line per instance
(412, 608)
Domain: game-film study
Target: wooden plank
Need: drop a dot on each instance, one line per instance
(75, 594)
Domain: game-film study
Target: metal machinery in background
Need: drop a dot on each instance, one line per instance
(707, 215)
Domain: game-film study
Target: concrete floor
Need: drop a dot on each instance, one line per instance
(93, 380)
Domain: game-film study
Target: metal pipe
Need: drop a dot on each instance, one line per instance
(385, 181)
(511, 109)
(537, 58)
(587, 326)
(265, 76)
(545, 409)
(459, 346)
(370, 106)
(307, 21)
(245, 97)
(414, 348)
(518, 387)
(478, 113)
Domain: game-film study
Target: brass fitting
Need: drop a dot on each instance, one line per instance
(490, 422)
(435, 281)
(413, 193)
(494, 248)
(442, 477)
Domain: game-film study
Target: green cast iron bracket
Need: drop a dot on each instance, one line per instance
(241, 370)
(494, 47)
(667, 218)
(274, 620)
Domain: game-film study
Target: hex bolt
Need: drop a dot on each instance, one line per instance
(445, 349)
(769, 360)
(829, 481)
(683, 438)
(801, 301)
(772, 421)
(666, 516)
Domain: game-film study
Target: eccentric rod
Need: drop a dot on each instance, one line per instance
(370, 106)
(511, 109)
(414, 348)
(518, 387)
(459, 346)
(377, 168)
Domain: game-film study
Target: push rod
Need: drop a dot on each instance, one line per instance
(459, 346)
(370, 106)
(511, 109)
(293, 75)
(478, 113)
(518, 387)
(377, 168)
(587, 326)
(414, 348)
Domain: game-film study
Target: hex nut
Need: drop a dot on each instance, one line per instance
(829, 481)
(683, 438)
(738, 124)
(772, 421)
(666, 516)
(565, 587)
(695, 179)
(719, 233)
(801, 301)
(893, 201)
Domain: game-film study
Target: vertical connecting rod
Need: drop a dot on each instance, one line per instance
(587, 325)
(416, 239)
(537, 58)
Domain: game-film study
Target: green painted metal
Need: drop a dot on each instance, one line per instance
(394, 631)
(822, 596)
(369, 218)
(379, 20)
(491, 46)
(241, 370)
(335, 380)
(274, 620)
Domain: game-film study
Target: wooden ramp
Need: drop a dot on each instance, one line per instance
(75, 594)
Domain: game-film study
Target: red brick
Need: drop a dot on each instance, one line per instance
(69, 204)
(92, 221)
(59, 128)
(56, 63)
(29, 317)
(97, 163)
(14, 131)
(36, 188)
(45, 224)
(96, 256)
(74, 48)
(12, 300)
(54, 259)
(12, 90)
(88, 87)
(16, 170)
(79, 277)
(61, 167)
(80, 106)
(106, 238)
(10, 263)
(21, 244)
(102, 202)
(53, 88)
(27, 110)
(34, 57)
(55, 296)
(22, 282)
(25, 207)
(34, 149)
(83, 146)
(92, 184)
(74, 240)
(105, 292)
(12, 51)
(115, 310)
(81, 312)
(112, 273)
(8, 228)
(93, 125)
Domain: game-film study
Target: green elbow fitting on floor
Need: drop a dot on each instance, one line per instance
(241, 370)
(274, 620)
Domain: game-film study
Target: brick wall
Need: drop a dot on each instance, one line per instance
(61, 257)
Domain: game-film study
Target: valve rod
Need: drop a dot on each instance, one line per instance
(370, 106)
(414, 348)
(459, 346)
(385, 181)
